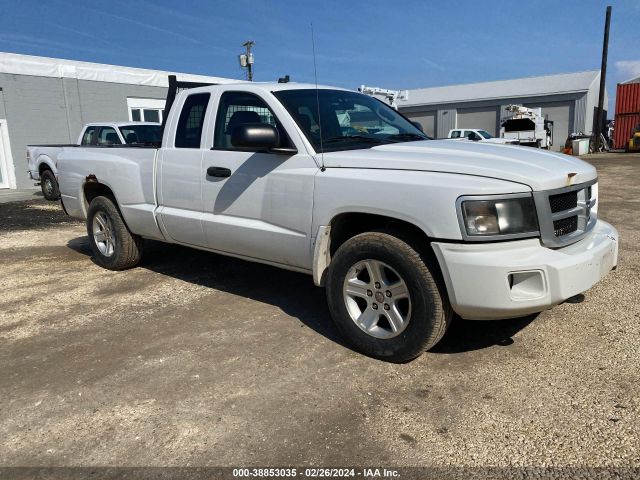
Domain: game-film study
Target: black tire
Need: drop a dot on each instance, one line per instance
(430, 310)
(127, 247)
(49, 185)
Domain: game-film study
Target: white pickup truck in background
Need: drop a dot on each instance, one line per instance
(401, 230)
(42, 159)
(477, 135)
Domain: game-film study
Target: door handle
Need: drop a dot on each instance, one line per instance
(218, 172)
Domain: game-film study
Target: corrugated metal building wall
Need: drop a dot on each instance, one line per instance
(627, 111)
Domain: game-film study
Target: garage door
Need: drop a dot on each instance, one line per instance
(484, 118)
(561, 114)
(426, 119)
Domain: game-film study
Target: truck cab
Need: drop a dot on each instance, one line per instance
(42, 160)
(476, 135)
(120, 133)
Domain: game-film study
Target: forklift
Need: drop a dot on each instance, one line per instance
(634, 142)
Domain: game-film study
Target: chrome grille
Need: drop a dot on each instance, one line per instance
(565, 214)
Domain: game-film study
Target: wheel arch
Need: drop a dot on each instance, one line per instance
(45, 163)
(93, 188)
(346, 225)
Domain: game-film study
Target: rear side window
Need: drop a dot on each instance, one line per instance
(108, 136)
(87, 137)
(455, 134)
(191, 121)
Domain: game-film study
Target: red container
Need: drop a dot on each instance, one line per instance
(625, 123)
(627, 112)
(628, 98)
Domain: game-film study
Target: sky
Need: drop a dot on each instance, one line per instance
(387, 44)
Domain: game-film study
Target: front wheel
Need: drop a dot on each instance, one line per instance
(384, 299)
(114, 246)
(49, 185)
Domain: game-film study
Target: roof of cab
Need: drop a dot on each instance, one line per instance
(268, 86)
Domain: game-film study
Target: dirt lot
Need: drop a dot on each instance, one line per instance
(198, 359)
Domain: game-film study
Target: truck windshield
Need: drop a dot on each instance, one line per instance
(141, 134)
(348, 120)
(485, 134)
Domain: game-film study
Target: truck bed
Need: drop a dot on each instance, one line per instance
(128, 170)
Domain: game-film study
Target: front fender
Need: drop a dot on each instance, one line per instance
(424, 199)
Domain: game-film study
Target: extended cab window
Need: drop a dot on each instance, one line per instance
(238, 108)
(191, 121)
(87, 137)
(455, 134)
(108, 136)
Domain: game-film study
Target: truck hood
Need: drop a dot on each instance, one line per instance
(539, 169)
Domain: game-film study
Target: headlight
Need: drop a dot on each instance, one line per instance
(505, 217)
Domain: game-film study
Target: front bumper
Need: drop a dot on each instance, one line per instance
(511, 279)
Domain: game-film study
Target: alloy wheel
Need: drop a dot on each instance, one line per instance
(377, 299)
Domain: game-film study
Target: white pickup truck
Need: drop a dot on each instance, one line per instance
(42, 159)
(403, 231)
(477, 135)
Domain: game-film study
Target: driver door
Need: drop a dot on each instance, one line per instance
(256, 203)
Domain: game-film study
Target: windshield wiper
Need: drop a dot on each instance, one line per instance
(407, 136)
(362, 138)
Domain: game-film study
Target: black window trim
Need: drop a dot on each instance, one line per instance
(215, 123)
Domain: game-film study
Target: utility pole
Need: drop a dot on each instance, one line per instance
(246, 59)
(603, 79)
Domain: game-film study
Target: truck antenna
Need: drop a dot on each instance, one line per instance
(315, 73)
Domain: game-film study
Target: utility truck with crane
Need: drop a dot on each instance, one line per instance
(389, 95)
(402, 231)
(526, 126)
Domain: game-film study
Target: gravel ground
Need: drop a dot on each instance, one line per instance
(198, 359)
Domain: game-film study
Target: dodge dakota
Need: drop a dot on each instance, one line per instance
(402, 231)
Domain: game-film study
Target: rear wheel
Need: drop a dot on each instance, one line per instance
(49, 185)
(384, 299)
(114, 246)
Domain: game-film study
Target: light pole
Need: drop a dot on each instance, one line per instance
(246, 59)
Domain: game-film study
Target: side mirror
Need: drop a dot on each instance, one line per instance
(259, 136)
(418, 125)
(255, 135)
